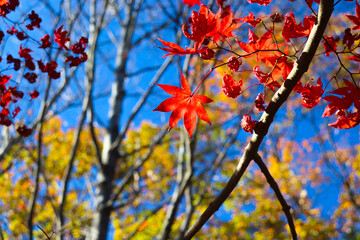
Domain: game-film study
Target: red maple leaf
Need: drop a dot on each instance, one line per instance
(175, 49)
(191, 3)
(183, 105)
(281, 66)
(25, 53)
(310, 2)
(293, 30)
(251, 20)
(330, 45)
(355, 19)
(340, 106)
(60, 37)
(23, 130)
(203, 24)
(45, 41)
(227, 25)
(256, 45)
(349, 38)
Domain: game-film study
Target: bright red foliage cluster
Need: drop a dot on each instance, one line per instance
(340, 106)
(11, 94)
(273, 61)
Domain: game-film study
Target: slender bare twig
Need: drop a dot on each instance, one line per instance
(47, 236)
(285, 207)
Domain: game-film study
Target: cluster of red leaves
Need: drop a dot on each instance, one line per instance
(340, 106)
(11, 94)
(355, 19)
(78, 48)
(7, 6)
(183, 105)
(8, 95)
(35, 21)
(204, 26)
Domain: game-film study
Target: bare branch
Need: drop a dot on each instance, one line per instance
(285, 207)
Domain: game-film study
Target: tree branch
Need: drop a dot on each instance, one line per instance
(285, 207)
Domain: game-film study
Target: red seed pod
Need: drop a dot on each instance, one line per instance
(311, 94)
(230, 87)
(247, 124)
(206, 53)
(234, 63)
(259, 102)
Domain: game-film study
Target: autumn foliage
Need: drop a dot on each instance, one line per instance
(274, 57)
(11, 94)
(260, 155)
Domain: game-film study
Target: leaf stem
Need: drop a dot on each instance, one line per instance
(207, 74)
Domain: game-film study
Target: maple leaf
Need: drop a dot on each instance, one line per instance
(256, 45)
(266, 79)
(175, 49)
(355, 19)
(34, 94)
(293, 30)
(183, 105)
(191, 3)
(340, 106)
(23, 130)
(234, 63)
(60, 37)
(25, 53)
(227, 25)
(203, 24)
(45, 40)
(310, 2)
(355, 58)
(346, 122)
(330, 45)
(349, 39)
(251, 20)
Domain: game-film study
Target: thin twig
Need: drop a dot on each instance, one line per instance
(285, 207)
(47, 236)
